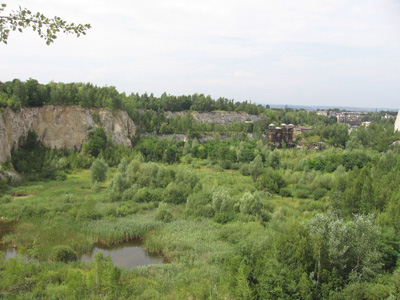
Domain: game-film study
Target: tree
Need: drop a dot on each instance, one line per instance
(256, 168)
(47, 28)
(97, 141)
(350, 248)
(98, 170)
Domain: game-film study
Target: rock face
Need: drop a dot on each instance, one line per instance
(218, 117)
(397, 123)
(62, 126)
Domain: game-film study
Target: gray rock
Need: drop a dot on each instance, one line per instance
(62, 126)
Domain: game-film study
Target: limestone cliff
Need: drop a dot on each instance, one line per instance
(218, 117)
(397, 123)
(62, 126)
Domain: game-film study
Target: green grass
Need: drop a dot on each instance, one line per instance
(188, 241)
(118, 230)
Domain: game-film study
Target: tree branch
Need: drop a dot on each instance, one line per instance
(47, 28)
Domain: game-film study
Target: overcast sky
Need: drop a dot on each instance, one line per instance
(297, 52)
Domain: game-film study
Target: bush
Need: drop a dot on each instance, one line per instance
(225, 164)
(97, 142)
(303, 194)
(222, 202)
(272, 181)
(286, 192)
(244, 170)
(96, 187)
(199, 204)
(223, 217)
(130, 193)
(251, 204)
(32, 159)
(63, 254)
(319, 193)
(142, 195)
(163, 214)
(176, 193)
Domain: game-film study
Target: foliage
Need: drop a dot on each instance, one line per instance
(256, 167)
(47, 28)
(97, 142)
(251, 204)
(98, 170)
(271, 181)
(350, 249)
(34, 161)
(64, 254)
(163, 214)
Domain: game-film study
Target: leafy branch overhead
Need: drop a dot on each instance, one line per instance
(47, 28)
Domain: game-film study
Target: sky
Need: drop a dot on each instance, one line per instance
(298, 52)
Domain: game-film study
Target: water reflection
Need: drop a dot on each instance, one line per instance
(127, 255)
(10, 253)
(6, 228)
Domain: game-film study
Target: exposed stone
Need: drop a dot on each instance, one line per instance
(62, 126)
(218, 117)
(397, 123)
(179, 137)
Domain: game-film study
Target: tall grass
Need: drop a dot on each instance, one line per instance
(189, 242)
(121, 229)
(37, 237)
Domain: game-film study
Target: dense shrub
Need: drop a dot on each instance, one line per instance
(163, 214)
(64, 254)
(34, 161)
(97, 142)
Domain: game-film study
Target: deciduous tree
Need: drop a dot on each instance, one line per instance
(47, 28)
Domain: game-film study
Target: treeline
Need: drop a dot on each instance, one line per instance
(31, 93)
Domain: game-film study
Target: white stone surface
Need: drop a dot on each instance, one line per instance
(397, 123)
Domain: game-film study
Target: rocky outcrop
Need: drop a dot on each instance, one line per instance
(397, 122)
(217, 117)
(179, 137)
(62, 126)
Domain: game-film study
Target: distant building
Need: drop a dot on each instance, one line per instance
(322, 113)
(302, 129)
(351, 118)
(278, 135)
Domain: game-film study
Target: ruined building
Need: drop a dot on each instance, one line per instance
(284, 133)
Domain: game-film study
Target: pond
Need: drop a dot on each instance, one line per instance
(6, 228)
(126, 255)
(10, 252)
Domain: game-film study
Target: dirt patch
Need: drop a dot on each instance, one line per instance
(20, 196)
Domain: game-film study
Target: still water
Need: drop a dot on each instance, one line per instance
(6, 228)
(126, 255)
